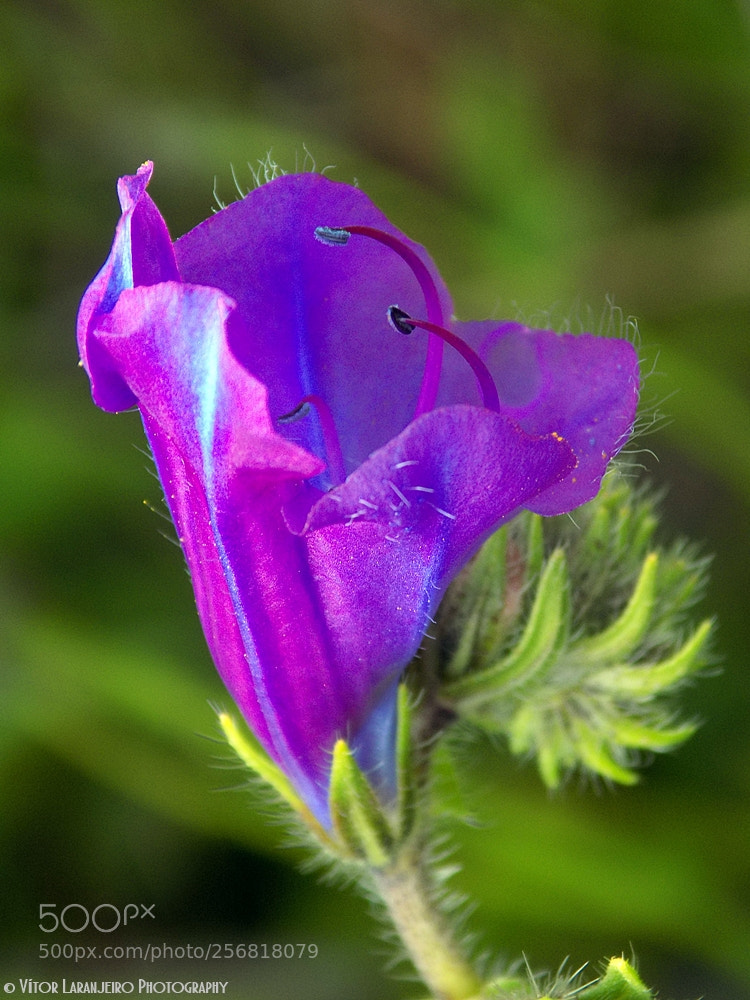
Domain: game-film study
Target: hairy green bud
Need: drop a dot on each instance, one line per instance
(569, 638)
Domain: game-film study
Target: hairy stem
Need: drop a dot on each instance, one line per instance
(404, 887)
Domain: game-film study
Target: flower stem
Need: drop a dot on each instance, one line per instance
(404, 888)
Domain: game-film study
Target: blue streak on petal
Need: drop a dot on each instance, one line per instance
(208, 383)
(312, 434)
(310, 792)
(121, 275)
(374, 746)
(207, 379)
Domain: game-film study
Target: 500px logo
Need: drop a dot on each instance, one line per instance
(105, 917)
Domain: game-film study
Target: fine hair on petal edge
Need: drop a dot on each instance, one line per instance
(613, 322)
(267, 169)
(610, 322)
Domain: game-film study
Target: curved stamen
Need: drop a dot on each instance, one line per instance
(296, 414)
(339, 236)
(331, 444)
(404, 323)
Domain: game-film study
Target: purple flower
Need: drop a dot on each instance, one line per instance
(329, 464)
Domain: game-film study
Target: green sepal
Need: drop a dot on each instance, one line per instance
(619, 982)
(534, 546)
(551, 753)
(545, 634)
(483, 605)
(647, 680)
(256, 759)
(506, 987)
(482, 586)
(628, 732)
(597, 751)
(626, 632)
(357, 815)
(547, 628)
(406, 777)
(577, 671)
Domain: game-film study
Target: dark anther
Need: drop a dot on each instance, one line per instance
(299, 411)
(332, 237)
(399, 320)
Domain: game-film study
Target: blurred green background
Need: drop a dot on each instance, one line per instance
(553, 156)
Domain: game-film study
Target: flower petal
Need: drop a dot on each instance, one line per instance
(435, 492)
(226, 475)
(262, 623)
(169, 344)
(383, 546)
(583, 387)
(310, 632)
(141, 254)
(312, 602)
(316, 315)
